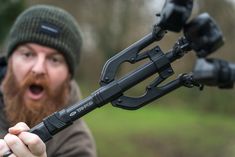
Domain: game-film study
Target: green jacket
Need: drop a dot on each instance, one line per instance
(74, 141)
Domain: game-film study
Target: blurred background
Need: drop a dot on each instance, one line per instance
(184, 123)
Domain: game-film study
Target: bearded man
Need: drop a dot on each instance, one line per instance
(42, 54)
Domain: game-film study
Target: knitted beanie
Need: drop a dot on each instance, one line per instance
(48, 26)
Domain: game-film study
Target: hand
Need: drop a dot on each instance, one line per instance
(22, 143)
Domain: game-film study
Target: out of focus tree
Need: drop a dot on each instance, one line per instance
(9, 9)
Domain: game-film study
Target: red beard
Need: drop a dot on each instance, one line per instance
(31, 111)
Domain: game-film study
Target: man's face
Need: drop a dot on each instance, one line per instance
(40, 60)
(36, 83)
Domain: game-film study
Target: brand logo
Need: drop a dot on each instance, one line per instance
(49, 29)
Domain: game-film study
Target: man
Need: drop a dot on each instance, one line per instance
(42, 54)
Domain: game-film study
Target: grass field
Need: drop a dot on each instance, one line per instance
(161, 132)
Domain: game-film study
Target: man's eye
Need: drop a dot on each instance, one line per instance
(55, 59)
(28, 54)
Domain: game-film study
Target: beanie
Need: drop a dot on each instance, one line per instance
(48, 26)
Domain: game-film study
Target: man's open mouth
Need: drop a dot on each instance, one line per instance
(35, 91)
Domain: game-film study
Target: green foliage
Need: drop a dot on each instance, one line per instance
(9, 9)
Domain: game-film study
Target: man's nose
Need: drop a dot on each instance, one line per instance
(39, 66)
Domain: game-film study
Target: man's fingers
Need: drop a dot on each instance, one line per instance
(22, 125)
(3, 147)
(24, 143)
(34, 143)
(16, 145)
(18, 128)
